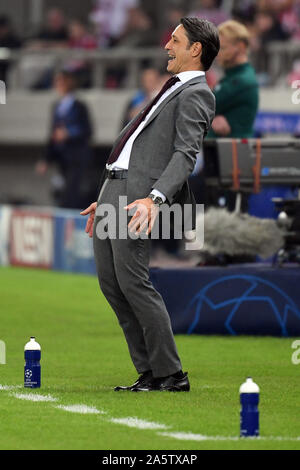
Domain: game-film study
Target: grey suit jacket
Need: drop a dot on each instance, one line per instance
(164, 153)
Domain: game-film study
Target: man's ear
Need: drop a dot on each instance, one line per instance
(196, 49)
(242, 47)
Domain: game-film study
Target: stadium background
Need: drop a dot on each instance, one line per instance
(36, 233)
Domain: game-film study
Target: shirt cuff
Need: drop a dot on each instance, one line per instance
(158, 193)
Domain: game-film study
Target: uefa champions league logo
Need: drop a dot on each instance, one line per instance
(28, 374)
(2, 352)
(232, 297)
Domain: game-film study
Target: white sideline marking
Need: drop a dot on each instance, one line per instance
(188, 436)
(133, 422)
(34, 397)
(82, 409)
(279, 438)
(9, 387)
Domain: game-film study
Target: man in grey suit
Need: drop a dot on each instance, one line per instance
(150, 164)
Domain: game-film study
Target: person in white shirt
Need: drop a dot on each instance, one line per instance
(111, 17)
(150, 163)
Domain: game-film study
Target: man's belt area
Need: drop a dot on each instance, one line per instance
(116, 174)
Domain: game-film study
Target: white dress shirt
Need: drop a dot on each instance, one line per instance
(122, 162)
(65, 104)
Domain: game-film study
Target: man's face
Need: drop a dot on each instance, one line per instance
(62, 84)
(229, 52)
(55, 19)
(180, 52)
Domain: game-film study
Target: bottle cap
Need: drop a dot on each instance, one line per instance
(249, 386)
(32, 345)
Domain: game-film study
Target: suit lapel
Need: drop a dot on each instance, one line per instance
(125, 129)
(200, 79)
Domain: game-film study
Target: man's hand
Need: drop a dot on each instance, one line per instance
(91, 210)
(145, 215)
(221, 126)
(41, 167)
(60, 134)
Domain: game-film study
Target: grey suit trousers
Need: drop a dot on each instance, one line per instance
(123, 274)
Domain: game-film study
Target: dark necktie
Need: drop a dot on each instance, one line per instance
(135, 124)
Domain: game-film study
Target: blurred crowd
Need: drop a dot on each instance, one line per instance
(131, 23)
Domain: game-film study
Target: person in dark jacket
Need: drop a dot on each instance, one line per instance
(54, 33)
(8, 40)
(68, 145)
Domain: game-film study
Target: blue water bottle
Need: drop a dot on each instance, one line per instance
(32, 369)
(249, 398)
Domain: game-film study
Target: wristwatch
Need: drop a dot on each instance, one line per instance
(156, 199)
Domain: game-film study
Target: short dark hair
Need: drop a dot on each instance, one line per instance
(205, 32)
(68, 75)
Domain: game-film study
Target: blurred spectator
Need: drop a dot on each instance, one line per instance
(237, 92)
(287, 12)
(284, 14)
(68, 144)
(54, 33)
(289, 16)
(236, 96)
(268, 28)
(210, 10)
(244, 12)
(111, 18)
(150, 84)
(38, 70)
(139, 31)
(80, 38)
(174, 15)
(9, 40)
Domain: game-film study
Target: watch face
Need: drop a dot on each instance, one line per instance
(158, 200)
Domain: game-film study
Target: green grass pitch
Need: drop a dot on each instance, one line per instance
(84, 355)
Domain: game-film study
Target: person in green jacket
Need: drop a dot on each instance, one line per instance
(237, 92)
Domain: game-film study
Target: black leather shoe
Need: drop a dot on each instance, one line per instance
(169, 383)
(141, 381)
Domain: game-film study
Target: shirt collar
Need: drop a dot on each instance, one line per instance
(67, 100)
(186, 76)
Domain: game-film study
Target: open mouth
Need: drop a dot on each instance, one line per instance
(171, 58)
